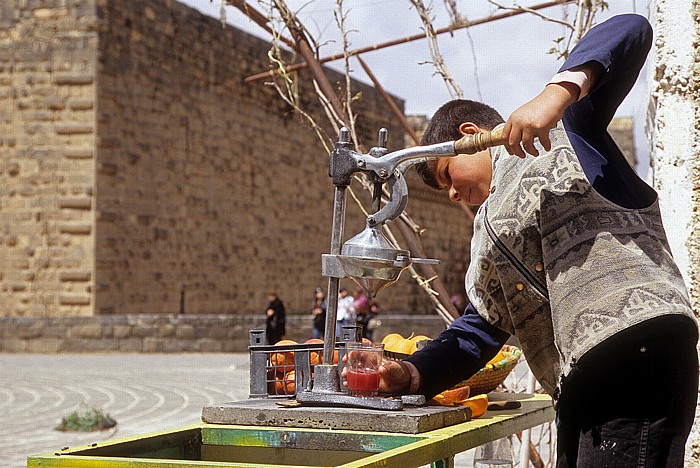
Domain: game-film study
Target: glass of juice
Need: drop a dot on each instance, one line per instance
(363, 364)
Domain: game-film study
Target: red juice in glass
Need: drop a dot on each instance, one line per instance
(363, 382)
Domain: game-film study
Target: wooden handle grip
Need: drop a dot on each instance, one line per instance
(473, 143)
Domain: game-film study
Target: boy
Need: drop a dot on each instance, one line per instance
(569, 255)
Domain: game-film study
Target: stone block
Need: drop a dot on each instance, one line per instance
(13, 345)
(74, 276)
(189, 346)
(55, 103)
(74, 299)
(153, 345)
(75, 203)
(81, 104)
(73, 79)
(166, 330)
(122, 331)
(28, 331)
(86, 330)
(143, 331)
(102, 345)
(186, 332)
(78, 152)
(207, 345)
(218, 333)
(75, 228)
(172, 346)
(43, 345)
(131, 345)
(73, 129)
(75, 345)
(55, 331)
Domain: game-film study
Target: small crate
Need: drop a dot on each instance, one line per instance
(280, 371)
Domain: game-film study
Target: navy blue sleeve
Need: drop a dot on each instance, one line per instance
(458, 353)
(619, 47)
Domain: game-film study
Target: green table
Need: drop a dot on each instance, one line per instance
(214, 445)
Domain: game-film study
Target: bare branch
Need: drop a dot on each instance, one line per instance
(334, 110)
(430, 34)
(340, 17)
(517, 7)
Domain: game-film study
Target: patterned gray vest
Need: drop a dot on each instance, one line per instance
(562, 268)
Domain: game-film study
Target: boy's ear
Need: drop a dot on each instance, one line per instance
(468, 128)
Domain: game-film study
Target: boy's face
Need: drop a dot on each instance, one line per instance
(467, 178)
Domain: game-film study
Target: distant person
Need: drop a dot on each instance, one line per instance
(346, 310)
(318, 310)
(275, 327)
(371, 320)
(361, 307)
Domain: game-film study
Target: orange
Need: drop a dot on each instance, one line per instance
(314, 356)
(286, 386)
(283, 362)
(392, 341)
(398, 344)
(451, 396)
(438, 399)
(478, 404)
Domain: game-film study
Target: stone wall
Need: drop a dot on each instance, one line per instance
(167, 333)
(139, 175)
(47, 133)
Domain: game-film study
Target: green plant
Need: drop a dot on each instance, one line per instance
(86, 419)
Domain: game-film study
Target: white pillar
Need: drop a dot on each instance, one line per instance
(675, 143)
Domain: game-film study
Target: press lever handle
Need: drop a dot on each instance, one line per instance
(473, 143)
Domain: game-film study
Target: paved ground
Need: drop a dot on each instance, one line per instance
(144, 393)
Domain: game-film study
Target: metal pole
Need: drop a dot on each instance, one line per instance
(333, 283)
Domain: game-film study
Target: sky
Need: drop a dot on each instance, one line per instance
(503, 63)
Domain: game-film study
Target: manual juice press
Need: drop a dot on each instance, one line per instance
(369, 259)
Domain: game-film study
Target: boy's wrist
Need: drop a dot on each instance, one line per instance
(414, 377)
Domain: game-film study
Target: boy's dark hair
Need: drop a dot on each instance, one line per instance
(444, 126)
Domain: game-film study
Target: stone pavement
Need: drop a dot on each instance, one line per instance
(143, 393)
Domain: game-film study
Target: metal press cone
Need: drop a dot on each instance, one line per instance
(369, 260)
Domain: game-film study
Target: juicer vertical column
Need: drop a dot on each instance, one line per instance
(333, 283)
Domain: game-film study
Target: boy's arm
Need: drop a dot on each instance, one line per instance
(457, 354)
(613, 53)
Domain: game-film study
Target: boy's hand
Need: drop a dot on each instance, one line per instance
(394, 378)
(535, 118)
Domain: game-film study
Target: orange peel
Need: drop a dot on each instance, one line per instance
(478, 404)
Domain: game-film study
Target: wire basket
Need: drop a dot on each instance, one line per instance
(280, 371)
(493, 375)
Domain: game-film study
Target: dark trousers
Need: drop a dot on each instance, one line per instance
(631, 403)
(273, 335)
